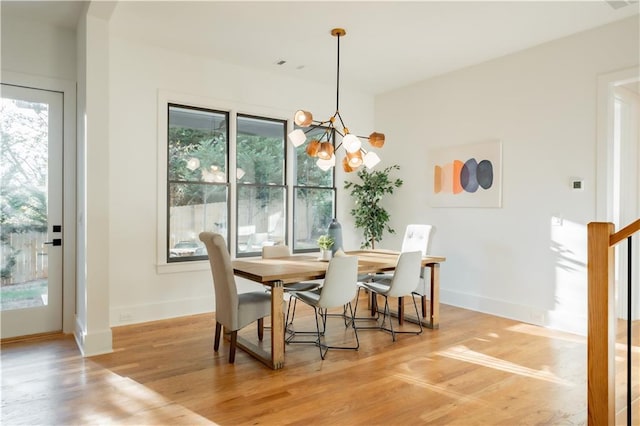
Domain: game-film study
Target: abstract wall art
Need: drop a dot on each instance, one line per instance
(467, 175)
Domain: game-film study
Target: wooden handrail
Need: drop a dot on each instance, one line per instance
(601, 320)
(625, 232)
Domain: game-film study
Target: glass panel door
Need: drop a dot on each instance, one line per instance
(31, 211)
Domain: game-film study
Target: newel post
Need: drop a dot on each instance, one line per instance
(601, 326)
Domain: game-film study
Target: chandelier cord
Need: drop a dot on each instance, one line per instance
(338, 78)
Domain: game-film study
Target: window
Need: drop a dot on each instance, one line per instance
(314, 198)
(227, 173)
(261, 190)
(197, 179)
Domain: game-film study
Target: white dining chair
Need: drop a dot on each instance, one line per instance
(338, 290)
(282, 250)
(417, 237)
(400, 284)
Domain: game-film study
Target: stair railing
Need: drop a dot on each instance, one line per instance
(601, 337)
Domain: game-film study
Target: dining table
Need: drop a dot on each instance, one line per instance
(276, 273)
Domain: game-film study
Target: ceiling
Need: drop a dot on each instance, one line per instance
(389, 44)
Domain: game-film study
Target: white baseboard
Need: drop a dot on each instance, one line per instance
(571, 322)
(133, 314)
(93, 343)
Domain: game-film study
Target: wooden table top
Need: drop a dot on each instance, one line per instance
(300, 268)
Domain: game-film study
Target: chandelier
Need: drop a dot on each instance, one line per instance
(323, 147)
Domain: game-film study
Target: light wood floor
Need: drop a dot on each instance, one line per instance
(475, 370)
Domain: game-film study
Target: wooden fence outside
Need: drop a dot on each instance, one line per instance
(30, 256)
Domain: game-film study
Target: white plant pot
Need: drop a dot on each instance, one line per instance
(325, 254)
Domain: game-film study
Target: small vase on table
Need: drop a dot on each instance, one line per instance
(325, 242)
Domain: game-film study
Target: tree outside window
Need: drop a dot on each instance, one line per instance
(261, 190)
(197, 179)
(314, 198)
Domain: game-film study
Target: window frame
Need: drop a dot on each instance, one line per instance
(169, 182)
(294, 189)
(284, 185)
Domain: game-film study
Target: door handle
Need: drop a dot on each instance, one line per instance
(55, 242)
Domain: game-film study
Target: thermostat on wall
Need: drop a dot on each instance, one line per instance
(577, 184)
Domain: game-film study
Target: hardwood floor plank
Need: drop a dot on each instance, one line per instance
(475, 369)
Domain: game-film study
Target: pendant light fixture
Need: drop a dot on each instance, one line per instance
(323, 147)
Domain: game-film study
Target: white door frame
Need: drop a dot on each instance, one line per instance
(68, 89)
(607, 84)
(604, 149)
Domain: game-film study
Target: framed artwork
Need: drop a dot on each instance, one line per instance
(467, 175)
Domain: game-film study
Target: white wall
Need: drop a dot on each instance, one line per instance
(38, 49)
(512, 261)
(139, 75)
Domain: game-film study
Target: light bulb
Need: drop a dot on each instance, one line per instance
(297, 137)
(326, 164)
(371, 159)
(376, 139)
(351, 143)
(302, 118)
(326, 150)
(354, 159)
(312, 148)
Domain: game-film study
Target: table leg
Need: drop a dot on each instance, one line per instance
(373, 303)
(435, 296)
(400, 310)
(275, 359)
(277, 326)
(423, 300)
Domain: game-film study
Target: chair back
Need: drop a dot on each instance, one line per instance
(224, 282)
(280, 250)
(406, 275)
(340, 282)
(417, 237)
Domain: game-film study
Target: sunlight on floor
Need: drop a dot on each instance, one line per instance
(137, 404)
(536, 330)
(462, 353)
(457, 396)
(457, 399)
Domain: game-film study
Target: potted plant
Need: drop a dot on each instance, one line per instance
(368, 212)
(325, 242)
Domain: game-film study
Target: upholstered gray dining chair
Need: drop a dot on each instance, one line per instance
(338, 290)
(282, 250)
(234, 311)
(402, 283)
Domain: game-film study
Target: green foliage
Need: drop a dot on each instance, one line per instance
(6, 271)
(368, 213)
(325, 242)
(316, 205)
(260, 158)
(209, 148)
(23, 175)
(315, 192)
(23, 295)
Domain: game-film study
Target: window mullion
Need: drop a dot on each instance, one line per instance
(233, 182)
